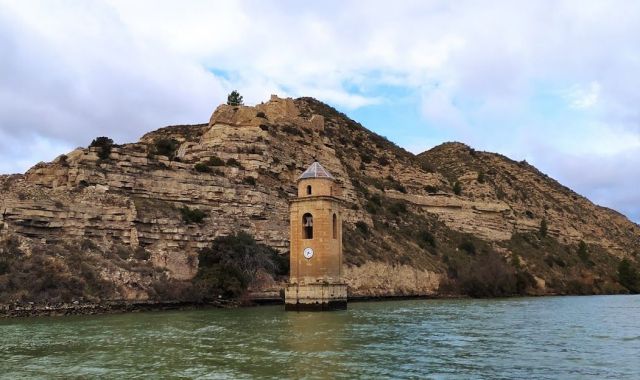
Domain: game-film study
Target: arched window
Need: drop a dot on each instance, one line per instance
(307, 226)
(308, 189)
(335, 226)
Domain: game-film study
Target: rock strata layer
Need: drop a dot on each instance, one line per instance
(240, 170)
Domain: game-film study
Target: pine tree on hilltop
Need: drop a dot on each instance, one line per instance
(234, 99)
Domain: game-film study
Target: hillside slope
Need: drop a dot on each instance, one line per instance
(108, 222)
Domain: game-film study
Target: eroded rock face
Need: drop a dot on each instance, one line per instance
(377, 279)
(240, 169)
(515, 197)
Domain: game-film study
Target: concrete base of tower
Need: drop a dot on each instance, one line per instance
(315, 297)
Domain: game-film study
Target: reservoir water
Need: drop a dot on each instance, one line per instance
(536, 338)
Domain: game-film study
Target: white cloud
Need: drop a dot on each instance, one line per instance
(19, 154)
(438, 106)
(72, 73)
(581, 97)
(72, 70)
(609, 179)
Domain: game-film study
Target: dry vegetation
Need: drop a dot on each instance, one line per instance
(244, 181)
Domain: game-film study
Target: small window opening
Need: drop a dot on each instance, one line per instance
(307, 226)
(308, 189)
(335, 226)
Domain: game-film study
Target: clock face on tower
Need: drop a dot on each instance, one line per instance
(307, 253)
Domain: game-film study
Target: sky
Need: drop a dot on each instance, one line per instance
(554, 82)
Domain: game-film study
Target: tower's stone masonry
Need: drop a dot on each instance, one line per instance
(315, 281)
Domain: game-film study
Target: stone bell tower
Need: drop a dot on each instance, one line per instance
(315, 280)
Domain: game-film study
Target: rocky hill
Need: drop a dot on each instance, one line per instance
(127, 221)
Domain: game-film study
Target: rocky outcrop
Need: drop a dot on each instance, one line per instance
(404, 222)
(502, 197)
(378, 279)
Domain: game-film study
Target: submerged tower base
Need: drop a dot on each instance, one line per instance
(315, 297)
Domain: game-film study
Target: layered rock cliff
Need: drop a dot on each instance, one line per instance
(113, 217)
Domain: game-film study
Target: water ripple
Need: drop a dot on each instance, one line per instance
(536, 338)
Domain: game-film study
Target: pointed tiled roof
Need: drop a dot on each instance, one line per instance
(316, 171)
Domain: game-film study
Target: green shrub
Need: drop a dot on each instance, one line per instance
(468, 247)
(63, 160)
(166, 147)
(383, 160)
(215, 161)
(488, 275)
(101, 141)
(232, 262)
(544, 228)
(481, 178)
(552, 260)
(365, 157)
(583, 252)
(4, 266)
(292, 130)
(397, 208)
(578, 286)
(261, 114)
(249, 180)
(202, 168)
(524, 280)
(123, 252)
(425, 238)
(427, 167)
(628, 276)
(207, 167)
(371, 207)
(398, 187)
(394, 184)
(234, 162)
(362, 227)
(191, 216)
(168, 289)
(431, 189)
(457, 188)
(378, 184)
(141, 254)
(515, 261)
(53, 274)
(104, 145)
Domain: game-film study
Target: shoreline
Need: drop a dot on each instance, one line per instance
(27, 310)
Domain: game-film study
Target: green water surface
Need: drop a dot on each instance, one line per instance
(534, 338)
